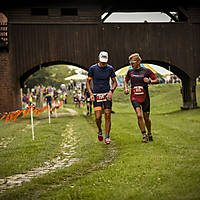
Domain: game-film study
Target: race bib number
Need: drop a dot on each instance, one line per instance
(102, 97)
(138, 90)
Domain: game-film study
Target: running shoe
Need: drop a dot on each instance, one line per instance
(150, 138)
(145, 138)
(107, 140)
(100, 136)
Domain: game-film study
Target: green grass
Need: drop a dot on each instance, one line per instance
(22, 153)
(167, 168)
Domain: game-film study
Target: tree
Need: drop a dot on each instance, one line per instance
(53, 75)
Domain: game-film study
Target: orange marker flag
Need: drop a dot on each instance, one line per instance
(25, 112)
(11, 116)
(42, 110)
(3, 116)
(29, 109)
(7, 118)
(35, 110)
(17, 114)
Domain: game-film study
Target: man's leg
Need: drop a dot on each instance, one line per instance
(147, 122)
(107, 115)
(98, 117)
(148, 125)
(146, 114)
(141, 123)
(88, 107)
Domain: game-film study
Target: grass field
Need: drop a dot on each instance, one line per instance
(166, 169)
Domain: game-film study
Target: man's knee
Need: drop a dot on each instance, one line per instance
(146, 117)
(139, 116)
(107, 114)
(98, 115)
(138, 113)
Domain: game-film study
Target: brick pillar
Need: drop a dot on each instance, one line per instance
(10, 97)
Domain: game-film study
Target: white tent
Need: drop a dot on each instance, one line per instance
(76, 77)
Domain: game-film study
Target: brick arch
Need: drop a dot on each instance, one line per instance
(3, 18)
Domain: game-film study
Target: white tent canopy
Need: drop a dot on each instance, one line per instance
(76, 77)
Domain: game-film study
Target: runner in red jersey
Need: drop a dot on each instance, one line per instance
(140, 77)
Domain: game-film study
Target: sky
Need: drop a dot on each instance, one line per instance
(137, 17)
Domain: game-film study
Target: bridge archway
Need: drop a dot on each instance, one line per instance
(188, 89)
(36, 68)
(174, 69)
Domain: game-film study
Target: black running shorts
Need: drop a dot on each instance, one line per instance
(104, 104)
(145, 105)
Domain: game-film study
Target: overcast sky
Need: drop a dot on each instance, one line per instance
(137, 17)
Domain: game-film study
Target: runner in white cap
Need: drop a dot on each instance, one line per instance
(102, 93)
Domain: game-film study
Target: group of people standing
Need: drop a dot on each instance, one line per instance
(39, 94)
(102, 92)
(82, 98)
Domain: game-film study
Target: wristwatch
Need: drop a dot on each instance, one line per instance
(112, 90)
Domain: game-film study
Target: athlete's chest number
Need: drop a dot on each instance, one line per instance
(138, 90)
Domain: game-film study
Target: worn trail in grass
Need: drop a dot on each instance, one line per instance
(76, 151)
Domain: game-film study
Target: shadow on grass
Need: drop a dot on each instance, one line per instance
(177, 112)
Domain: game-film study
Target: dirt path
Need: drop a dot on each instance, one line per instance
(67, 150)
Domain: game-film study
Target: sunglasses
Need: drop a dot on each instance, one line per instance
(133, 62)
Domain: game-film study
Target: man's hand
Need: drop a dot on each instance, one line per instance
(92, 97)
(126, 91)
(147, 80)
(109, 96)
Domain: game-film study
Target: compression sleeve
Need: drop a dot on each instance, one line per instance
(151, 75)
(127, 78)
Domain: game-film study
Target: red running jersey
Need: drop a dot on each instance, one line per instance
(139, 89)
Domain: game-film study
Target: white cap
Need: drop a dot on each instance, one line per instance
(103, 56)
